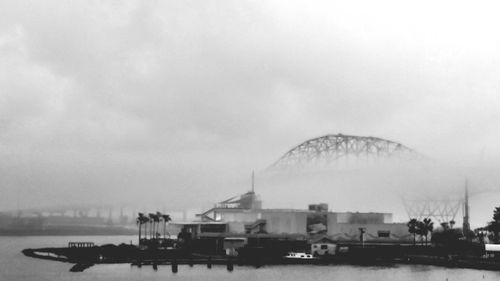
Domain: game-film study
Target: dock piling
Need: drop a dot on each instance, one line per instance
(174, 266)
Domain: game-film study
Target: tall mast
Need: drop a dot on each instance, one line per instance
(466, 224)
(253, 181)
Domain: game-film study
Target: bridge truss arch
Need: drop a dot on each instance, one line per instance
(329, 148)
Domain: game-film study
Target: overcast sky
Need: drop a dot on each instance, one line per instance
(102, 101)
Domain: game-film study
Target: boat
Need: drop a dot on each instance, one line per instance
(305, 256)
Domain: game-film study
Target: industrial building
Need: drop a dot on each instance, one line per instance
(243, 215)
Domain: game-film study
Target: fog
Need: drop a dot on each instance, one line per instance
(174, 103)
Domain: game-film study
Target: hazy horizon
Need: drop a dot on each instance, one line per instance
(177, 102)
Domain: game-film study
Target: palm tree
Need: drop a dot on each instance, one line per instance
(141, 219)
(494, 225)
(445, 225)
(166, 218)
(155, 220)
(151, 225)
(421, 231)
(427, 227)
(452, 223)
(413, 228)
(158, 217)
(480, 233)
(146, 222)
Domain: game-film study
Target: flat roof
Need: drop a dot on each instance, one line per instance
(197, 222)
(289, 211)
(296, 236)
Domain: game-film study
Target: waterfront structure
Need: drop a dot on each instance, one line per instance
(244, 216)
(323, 246)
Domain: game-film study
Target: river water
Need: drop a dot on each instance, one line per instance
(15, 267)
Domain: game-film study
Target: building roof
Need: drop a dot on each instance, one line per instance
(237, 209)
(322, 239)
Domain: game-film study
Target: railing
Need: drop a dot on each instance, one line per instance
(81, 244)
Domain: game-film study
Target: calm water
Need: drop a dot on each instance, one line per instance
(14, 266)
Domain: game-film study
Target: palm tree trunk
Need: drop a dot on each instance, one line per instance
(140, 226)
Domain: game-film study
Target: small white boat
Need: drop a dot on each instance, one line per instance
(293, 255)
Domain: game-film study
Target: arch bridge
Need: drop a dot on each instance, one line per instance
(330, 148)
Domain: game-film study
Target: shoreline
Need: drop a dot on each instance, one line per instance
(83, 258)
